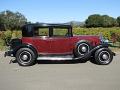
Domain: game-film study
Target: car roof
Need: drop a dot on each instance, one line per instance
(45, 25)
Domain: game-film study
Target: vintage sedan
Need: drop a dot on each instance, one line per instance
(57, 42)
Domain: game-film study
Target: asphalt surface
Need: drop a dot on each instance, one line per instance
(53, 75)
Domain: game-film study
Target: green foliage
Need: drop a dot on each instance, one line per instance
(6, 36)
(118, 20)
(106, 32)
(94, 21)
(97, 20)
(11, 20)
(113, 37)
(16, 34)
(118, 37)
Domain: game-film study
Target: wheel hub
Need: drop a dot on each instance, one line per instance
(24, 57)
(105, 57)
(84, 49)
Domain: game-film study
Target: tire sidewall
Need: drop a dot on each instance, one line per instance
(32, 59)
(98, 58)
(76, 51)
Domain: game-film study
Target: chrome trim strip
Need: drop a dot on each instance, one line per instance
(54, 58)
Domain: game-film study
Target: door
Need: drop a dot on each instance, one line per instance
(59, 41)
(56, 43)
(59, 45)
(41, 40)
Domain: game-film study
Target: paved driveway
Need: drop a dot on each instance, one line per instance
(58, 76)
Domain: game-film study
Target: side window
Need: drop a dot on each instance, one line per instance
(41, 32)
(60, 32)
(27, 31)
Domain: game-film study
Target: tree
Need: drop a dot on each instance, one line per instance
(1, 24)
(97, 20)
(118, 20)
(12, 20)
(108, 21)
(94, 21)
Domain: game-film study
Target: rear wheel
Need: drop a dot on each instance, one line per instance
(103, 56)
(25, 57)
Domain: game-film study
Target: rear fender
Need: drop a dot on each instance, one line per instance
(25, 46)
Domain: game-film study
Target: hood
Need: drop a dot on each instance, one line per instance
(87, 36)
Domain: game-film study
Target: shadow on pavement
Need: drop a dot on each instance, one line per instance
(60, 62)
(55, 61)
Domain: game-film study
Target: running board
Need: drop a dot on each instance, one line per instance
(55, 58)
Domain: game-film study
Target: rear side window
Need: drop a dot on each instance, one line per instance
(60, 32)
(27, 31)
(41, 32)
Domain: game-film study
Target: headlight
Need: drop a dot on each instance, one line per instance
(101, 38)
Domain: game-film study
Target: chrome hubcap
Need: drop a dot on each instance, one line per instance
(24, 57)
(105, 57)
(84, 49)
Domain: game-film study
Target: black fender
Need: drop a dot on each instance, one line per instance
(92, 51)
(25, 46)
(77, 44)
(81, 41)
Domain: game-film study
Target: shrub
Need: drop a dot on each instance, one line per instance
(5, 36)
(16, 34)
(113, 37)
(106, 32)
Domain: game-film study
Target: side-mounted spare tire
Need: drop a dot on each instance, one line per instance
(82, 48)
(25, 57)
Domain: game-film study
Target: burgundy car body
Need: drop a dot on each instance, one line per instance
(58, 45)
(38, 45)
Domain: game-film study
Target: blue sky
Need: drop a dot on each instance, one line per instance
(54, 11)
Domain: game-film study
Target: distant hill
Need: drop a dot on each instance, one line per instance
(73, 23)
(76, 23)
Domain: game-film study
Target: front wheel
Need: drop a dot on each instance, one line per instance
(82, 48)
(25, 57)
(103, 56)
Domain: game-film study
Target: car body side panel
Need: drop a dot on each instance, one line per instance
(58, 45)
(52, 45)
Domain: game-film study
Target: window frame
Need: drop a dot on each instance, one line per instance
(39, 32)
(65, 35)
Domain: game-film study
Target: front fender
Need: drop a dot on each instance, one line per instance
(88, 55)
